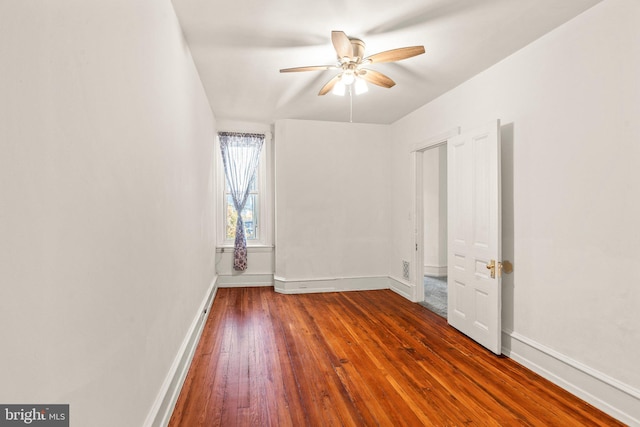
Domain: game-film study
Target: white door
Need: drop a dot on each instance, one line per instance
(474, 217)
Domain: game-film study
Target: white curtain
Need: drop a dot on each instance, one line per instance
(240, 155)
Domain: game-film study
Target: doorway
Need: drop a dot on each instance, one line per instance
(427, 158)
(434, 219)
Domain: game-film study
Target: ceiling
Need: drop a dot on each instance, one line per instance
(239, 46)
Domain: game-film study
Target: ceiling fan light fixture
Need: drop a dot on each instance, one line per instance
(361, 86)
(348, 77)
(339, 88)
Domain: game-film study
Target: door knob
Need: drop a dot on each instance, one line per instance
(507, 267)
(502, 267)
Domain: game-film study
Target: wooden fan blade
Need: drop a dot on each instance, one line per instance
(395, 54)
(309, 68)
(327, 88)
(376, 78)
(342, 44)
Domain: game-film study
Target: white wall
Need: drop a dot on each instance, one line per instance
(259, 272)
(569, 105)
(332, 200)
(106, 221)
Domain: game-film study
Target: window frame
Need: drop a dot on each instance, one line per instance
(264, 199)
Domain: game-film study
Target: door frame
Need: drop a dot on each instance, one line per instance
(418, 207)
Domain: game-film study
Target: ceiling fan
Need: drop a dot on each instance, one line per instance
(351, 61)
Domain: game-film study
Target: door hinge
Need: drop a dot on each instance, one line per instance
(416, 246)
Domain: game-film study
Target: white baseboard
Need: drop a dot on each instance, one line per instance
(435, 270)
(617, 399)
(402, 288)
(339, 284)
(307, 286)
(244, 280)
(162, 408)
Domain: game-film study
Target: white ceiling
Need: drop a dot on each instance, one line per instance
(240, 45)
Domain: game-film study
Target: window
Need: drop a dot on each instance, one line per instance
(256, 214)
(250, 213)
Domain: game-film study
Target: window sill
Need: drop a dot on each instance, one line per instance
(250, 248)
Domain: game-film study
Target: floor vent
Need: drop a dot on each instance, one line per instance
(405, 270)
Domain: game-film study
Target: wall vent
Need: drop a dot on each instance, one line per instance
(405, 270)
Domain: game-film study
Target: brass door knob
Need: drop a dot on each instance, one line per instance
(502, 267)
(507, 267)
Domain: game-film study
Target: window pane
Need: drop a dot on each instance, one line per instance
(249, 217)
(253, 186)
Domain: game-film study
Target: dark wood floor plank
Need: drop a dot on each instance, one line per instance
(357, 359)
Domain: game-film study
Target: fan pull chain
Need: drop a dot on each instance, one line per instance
(350, 104)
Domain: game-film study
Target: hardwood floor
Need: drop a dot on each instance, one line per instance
(357, 359)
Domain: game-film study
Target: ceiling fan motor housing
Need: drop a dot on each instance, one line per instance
(358, 48)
